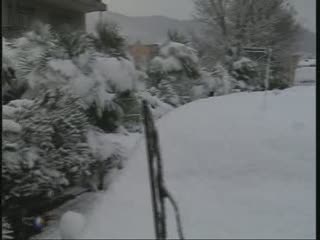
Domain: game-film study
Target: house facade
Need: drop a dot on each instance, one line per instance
(142, 54)
(18, 15)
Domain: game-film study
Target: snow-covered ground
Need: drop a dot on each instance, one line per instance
(240, 166)
(305, 76)
(307, 63)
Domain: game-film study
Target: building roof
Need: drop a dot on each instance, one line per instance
(84, 6)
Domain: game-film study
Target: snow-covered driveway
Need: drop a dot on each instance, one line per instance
(240, 166)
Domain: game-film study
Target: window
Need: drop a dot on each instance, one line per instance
(25, 16)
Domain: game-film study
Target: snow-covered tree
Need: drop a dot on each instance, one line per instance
(72, 59)
(108, 38)
(69, 86)
(248, 23)
(50, 151)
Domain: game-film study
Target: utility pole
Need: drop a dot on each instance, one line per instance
(267, 78)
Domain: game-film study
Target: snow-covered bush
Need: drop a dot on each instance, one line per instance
(46, 59)
(246, 70)
(174, 72)
(51, 151)
(215, 83)
(49, 146)
(110, 155)
(68, 87)
(218, 82)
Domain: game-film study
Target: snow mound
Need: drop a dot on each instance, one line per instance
(71, 225)
(239, 166)
(238, 170)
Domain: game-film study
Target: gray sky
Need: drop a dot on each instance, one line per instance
(182, 9)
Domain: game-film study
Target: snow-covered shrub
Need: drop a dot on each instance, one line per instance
(174, 72)
(51, 151)
(69, 87)
(219, 82)
(45, 59)
(175, 36)
(246, 70)
(109, 154)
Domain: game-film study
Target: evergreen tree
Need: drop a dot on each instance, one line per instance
(175, 36)
(235, 24)
(166, 93)
(108, 39)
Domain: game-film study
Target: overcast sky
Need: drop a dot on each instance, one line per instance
(182, 9)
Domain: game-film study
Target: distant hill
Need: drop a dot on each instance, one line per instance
(153, 29)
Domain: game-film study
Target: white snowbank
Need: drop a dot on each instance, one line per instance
(237, 171)
(72, 225)
(240, 166)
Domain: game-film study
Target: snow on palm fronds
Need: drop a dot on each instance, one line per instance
(50, 151)
(174, 72)
(110, 154)
(47, 59)
(6, 230)
(104, 146)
